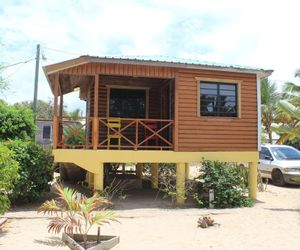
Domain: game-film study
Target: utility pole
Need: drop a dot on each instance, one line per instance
(36, 77)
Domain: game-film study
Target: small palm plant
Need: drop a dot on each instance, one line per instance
(76, 213)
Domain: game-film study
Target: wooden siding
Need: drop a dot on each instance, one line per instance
(122, 70)
(196, 133)
(192, 133)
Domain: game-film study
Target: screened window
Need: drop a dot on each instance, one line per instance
(46, 132)
(127, 103)
(218, 99)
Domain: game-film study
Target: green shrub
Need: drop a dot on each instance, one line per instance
(227, 182)
(72, 138)
(35, 171)
(16, 122)
(8, 175)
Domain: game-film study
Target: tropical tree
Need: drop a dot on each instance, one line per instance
(44, 111)
(269, 98)
(16, 123)
(287, 115)
(75, 212)
(292, 91)
(288, 131)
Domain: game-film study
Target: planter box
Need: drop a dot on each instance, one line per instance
(106, 241)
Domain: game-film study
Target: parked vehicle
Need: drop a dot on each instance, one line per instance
(280, 163)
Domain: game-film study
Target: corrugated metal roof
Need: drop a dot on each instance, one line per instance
(169, 59)
(157, 61)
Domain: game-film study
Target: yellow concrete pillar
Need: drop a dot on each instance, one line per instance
(252, 180)
(180, 183)
(90, 179)
(187, 170)
(99, 178)
(139, 170)
(154, 175)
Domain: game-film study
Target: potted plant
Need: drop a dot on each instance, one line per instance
(76, 214)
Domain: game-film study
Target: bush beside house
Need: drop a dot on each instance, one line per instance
(25, 168)
(9, 175)
(35, 171)
(227, 183)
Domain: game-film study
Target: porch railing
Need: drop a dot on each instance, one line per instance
(132, 134)
(136, 134)
(73, 132)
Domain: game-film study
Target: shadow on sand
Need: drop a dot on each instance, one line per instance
(51, 241)
(284, 209)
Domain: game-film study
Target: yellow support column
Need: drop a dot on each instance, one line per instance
(90, 179)
(99, 178)
(187, 170)
(154, 175)
(180, 183)
(139, 170)
(252, 180)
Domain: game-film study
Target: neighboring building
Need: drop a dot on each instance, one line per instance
(151, 111)
(44, 135)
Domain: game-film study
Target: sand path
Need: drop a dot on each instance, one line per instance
(274, 223)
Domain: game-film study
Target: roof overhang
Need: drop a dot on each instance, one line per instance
(50, 70)
(54, 68)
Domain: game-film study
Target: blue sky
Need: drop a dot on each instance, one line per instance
(255, 33)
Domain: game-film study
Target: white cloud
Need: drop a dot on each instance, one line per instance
(254, 33)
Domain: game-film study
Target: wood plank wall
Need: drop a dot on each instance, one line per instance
(212, 133)
(194, 133)
(121, 69)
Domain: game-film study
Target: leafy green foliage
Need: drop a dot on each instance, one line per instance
(73, 138)
(288, 131)
(35, 171)
(16, 123)
(227, 182)
(269, 98)
(288, 113)
(9, 174)
(44, 110)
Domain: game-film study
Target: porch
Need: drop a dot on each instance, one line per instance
(128, 113)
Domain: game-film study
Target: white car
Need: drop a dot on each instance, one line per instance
(280, 163)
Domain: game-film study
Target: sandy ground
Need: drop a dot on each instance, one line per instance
(274, 223)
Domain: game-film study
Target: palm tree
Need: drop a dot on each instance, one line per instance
(269, 98)
(288, 112)
(76, 213)
(288, 130)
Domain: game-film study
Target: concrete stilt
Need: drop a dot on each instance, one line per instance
(154, 175)
(99, 178)
(90, 179)
(180, 183)
(187, 170)
(252, 180)
(139, 170)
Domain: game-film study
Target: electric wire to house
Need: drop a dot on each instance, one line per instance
(17, 63)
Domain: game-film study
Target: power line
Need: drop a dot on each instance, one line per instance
(10, 75)
(62, 51)
(14, 64)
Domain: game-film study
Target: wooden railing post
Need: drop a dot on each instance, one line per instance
(60, 114)
(136, 134)
(95, 117)
(55, 115)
